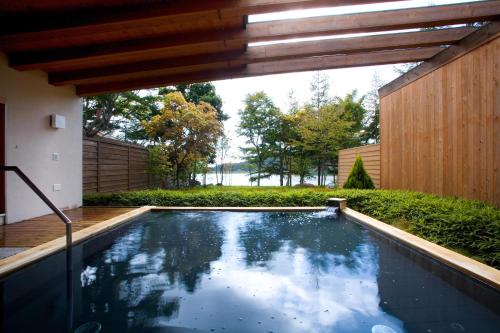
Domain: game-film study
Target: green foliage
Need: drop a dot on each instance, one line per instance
(159, 163)
(197, 93)
(259, 123)
(470, 227)
(122, 112)
(186, 132)
(359, 178)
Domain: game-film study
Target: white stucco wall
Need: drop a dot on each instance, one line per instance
(30, 142)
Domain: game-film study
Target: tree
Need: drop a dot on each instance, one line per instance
(371, 132)
(159, 163)
(322, 133)
(320, 89)
(118, 114)
(353, 111)
(187, 131)
(258, 120)
(222, 148)
(359, 178)
(197, 93)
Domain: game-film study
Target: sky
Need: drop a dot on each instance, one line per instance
(342, 81)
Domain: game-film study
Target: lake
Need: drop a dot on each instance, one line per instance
(243, 179)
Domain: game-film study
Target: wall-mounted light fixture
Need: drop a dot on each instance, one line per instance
(57, 121)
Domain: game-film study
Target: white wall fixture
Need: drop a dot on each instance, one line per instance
(57, 187)
(56, 157)
(57, 121)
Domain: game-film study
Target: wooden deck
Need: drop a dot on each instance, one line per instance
(36, 231)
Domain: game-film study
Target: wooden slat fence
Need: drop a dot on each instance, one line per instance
(441, 133)
(371, 160)
(112, 166)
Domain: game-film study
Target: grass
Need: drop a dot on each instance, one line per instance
(469, 227)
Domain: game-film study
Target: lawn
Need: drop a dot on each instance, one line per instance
(469, 227)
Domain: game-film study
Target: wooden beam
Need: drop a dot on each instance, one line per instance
(84, 21)
(274, 52)
(469, 43)
(266, 68)
(275, 30)
(430, 16)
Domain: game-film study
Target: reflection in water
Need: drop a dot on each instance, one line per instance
(264, 272)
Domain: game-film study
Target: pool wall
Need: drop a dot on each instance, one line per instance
(468, 266)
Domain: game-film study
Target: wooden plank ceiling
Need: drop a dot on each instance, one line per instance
(113, 45)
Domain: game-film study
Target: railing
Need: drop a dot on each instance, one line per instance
(69, 241)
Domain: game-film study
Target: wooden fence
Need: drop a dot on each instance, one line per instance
(371, 160)
(441, 133)
(111, 166)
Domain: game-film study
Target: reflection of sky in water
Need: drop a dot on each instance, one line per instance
(238, 272)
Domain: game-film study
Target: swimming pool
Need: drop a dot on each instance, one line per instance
(248, 272)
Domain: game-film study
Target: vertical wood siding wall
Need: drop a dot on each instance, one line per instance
(371, 160)
(111, 166)
(441, 133)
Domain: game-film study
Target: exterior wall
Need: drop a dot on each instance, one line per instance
(441, 133)
(371, 160)
(30, 142)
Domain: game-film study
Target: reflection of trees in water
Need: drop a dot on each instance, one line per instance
(134, 274)
(328, 242)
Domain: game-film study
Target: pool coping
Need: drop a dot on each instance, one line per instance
(471, 267)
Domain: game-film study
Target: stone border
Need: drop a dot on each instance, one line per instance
(471, 267)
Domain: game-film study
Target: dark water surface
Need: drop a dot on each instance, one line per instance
(248, 272)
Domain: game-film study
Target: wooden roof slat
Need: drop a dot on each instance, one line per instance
(266, 68)
(275, 52)
(41, 25)
(282, 29)
(422, 17)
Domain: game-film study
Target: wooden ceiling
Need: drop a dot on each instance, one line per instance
(114, 45)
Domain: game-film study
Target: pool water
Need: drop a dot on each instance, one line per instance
(248, 272)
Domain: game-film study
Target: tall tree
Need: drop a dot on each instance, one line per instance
(353, 111)
(187, 131)
(119, 114)
(320, 89)
(199, 92)
(222, 148)
(372, 121)
(322, 133)
(258, 121)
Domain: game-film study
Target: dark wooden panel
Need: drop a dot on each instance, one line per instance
(2, 158)
(115, 166)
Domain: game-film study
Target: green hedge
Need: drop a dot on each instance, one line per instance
(470, 227)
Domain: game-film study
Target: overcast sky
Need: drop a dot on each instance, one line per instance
(342, 81)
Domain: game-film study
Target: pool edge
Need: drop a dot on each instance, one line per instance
(469, 266)
(25, 258)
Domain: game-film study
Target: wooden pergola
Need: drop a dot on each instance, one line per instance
(110, 45)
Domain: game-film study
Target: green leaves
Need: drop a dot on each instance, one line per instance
(359, 178)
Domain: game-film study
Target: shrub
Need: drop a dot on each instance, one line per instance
(359, 178)
(470, 227)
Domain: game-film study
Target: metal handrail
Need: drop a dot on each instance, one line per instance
(69, 241)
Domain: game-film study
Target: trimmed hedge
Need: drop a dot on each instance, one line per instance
(469, 227)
